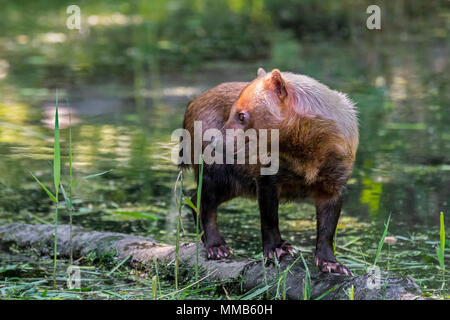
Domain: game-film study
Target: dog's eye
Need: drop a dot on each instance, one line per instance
(241, 117)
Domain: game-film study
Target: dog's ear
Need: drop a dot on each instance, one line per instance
(276, 84)
(261, 72)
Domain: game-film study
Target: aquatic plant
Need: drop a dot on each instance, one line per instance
(56, 181)
(197, 209)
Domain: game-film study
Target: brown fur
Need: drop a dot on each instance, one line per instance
(318, 143)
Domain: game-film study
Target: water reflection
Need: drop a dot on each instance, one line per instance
(124, 106)
(402, 164)
(66, 116)
(131, 71)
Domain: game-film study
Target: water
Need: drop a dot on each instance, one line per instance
(123, 123)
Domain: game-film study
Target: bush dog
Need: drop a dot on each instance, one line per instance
(318, 139)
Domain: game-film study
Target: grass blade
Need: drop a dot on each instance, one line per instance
(67, 201)
(118, 265)
(335, 240)
(254, 293)
(96, 174)
(307, 281)
(70, 208)
(56, 150)
(50, 195)
(380, 244)
(351, 293)
(190, 204)
(137, 214)
(326, 293)
(70, 157)
(197, 229)
(440, 251)
(442, 233)
(177, 243)
(56, 179)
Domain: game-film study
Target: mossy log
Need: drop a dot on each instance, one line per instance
(247, 274)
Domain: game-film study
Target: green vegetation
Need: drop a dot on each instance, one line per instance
(130, 74)
(179, 198)
(351, 293)
(56, 179)
(380, 244)
(440, 251)
(307, 282)
(196, 209)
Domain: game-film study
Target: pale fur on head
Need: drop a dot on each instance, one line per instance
(308, 96)
(305, 97)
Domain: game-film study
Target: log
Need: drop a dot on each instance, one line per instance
(243, 273)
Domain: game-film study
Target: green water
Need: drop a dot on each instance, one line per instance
(124, 108)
